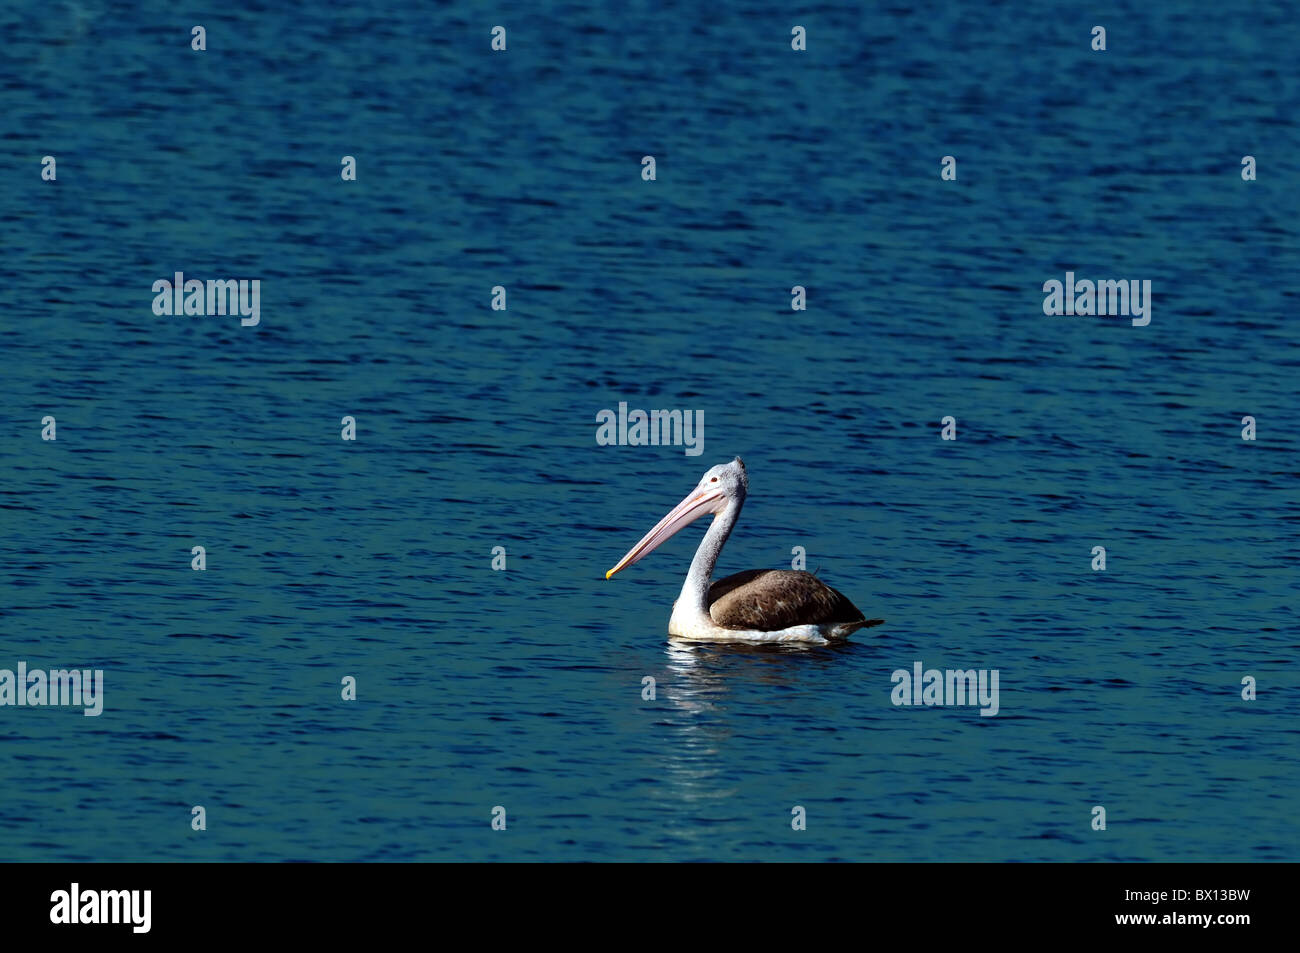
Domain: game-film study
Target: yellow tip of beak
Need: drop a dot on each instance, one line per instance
(608, 574)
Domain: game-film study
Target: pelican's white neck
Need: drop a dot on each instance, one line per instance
(694, 600)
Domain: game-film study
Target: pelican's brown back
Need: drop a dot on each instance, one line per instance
(767, 600)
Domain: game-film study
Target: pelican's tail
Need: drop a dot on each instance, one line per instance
(843, 630)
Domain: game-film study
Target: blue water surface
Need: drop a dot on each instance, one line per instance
(476, 428)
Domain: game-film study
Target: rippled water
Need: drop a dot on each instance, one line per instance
(476, 429)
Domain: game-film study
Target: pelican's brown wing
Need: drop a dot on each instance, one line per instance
(766, 600)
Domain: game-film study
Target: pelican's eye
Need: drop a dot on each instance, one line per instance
(714, 480)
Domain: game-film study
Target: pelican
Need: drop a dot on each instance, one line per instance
(758, 605)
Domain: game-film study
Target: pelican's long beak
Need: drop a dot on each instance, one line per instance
(699, 503)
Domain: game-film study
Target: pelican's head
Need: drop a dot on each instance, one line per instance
(720, 485)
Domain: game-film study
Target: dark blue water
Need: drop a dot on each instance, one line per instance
(476, 428)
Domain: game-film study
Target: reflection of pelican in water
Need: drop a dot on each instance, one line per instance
(759, 605)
